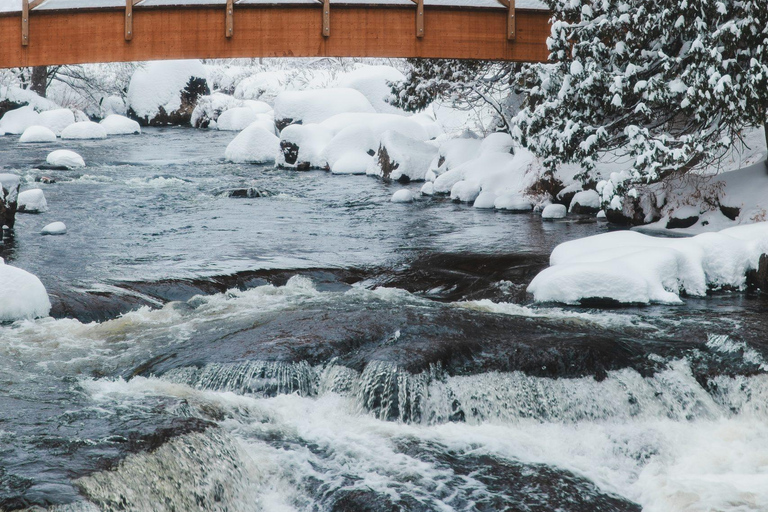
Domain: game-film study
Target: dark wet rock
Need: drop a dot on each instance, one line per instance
(48, 167)
(402, 159)
(249, 192)
(635, 211)
(291, 155)
(9, 199)
(6, 105)
(758, 279)
(387, 165)
(45, 180)
(732, 212)
(682, 223)
(280, 124)
(195, 88)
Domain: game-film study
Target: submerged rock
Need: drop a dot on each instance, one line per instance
(249, 192)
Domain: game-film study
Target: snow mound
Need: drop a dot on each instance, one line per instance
(484, 200)
(513, 203)
(354, 140)
(65, 158)
(373, 83)
(17, 120)
(32, 201)
(22, 295)
(262, 86)
(84, 130)
(629, 267)
(302, 146)
(554, 211)
(9, 187)
(56, 120)
(585, 200)
(37, 134)
(236, 119)
(156, 88)
(352, 163)
(454, 152)
(116, 124)
(402, 158)
(254, 145)
(402, 196)
(54, 228)
(467, 191)
(315, 106)
(378, 124)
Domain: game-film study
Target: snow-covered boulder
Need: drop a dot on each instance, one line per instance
(32, 201)
(208, 109)
(350, 151)
(22, 295)
(17, 120)
(402, 158)
(65, 158)
(513, 202)
(466, 191)
(484, 200)
(352, 163)
(56, 120)
(373, 83)
(428, 189)
(9, 196)
(262, 86)
(115, 124)
(302, 146)
(236, 119)
(586, 202)
(402, 196)
(305, 107)
(629, 267)
(54, 228)
(166, 92)
(260, 107)
(35, 134)
(254, 145)
(84, 130)
(499, 142)
(554, 211)
(454, 152)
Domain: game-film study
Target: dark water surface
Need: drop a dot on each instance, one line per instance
(324, 349)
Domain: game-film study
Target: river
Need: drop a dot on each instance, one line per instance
(320, 348)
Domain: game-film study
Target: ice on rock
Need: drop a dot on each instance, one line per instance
(554, 211)
(65, 158)
(254, 145)
(56, 120)
(54, 228)
(115, 124)
(402, 158)
(373, 83)
(22, 295)
(629, 267)
(84, 130)
(37, 134)
(32, 201)
(402, 196)
(465, 191)
(17, 120)
(315, 106)
(513, 203)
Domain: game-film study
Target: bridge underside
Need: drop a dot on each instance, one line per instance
(81, 36)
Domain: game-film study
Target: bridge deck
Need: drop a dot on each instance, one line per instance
(80, 31)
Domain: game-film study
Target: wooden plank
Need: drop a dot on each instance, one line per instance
(230, 19)
(24, 22)
(73, 37)
(326, 18)
(128, 20)
(511, 23)
(420, 18)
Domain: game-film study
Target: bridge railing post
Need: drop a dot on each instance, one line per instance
(26, 9)
(229, 27)
(511, 24)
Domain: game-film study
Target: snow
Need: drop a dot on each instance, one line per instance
(56, 120)
(54, 228)
(311, 140)
(159, 84)
(32, 201)
(10, 185)
(315, 106)
(239, 118)
(484, 200)
(115, 124)
(37, 134)
(352, 163)
(402, 196)
(513, 203)
(22, 295)
(554, 211)
(84, 130)
(372, 82)
(454, 152)
(261, 86)
(348, 151)
(630, 267)
(467, 191)
(65, 158)
(17, 120)
(411, 156)
(587, 198)
(253, 145)
(378, 124)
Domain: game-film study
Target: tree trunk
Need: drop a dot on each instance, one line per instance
(39, 81)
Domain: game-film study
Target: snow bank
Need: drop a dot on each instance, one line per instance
(402, 196)
(350, 150)
(17, 120)
(303, 146)
(254, 145)
(373, 83)
(84, 130)
(630, 267)
(32, 201)
(56, 120)
(37, 134)
(315, 106)
(513, 203)
(554, 211)
(236, 119)
(54, 228)
(22, 295)
(378, 124)
(65, 158)
(264, 86)
(402, 158)
(156, 94)
(115, 124)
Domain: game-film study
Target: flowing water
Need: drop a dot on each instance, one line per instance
(320, 348)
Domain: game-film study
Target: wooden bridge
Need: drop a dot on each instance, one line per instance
(48, 32)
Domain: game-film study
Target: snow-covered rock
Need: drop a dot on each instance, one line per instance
(402, 158)
(236, 119)
(402, 196)
(84, 130)
(586, 202)
(378, 124)
(56, 120)
(554, 211)
(17, 120)
(116, 124)
(303, 146)
(352, 163)
(37, 134)
(263, 86)
(254, 145)
(54, 228)
(32, 201)
(497, 143)
(513, 203)
(465, 191)
(305, 107)
(373, 83)
(65, 158)
(484, 200)
(208, 109)
(354, 144)
(260, 107)
(428, 189)
(629, 267)
(166, 92)
(22, 295)
(454, 152)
